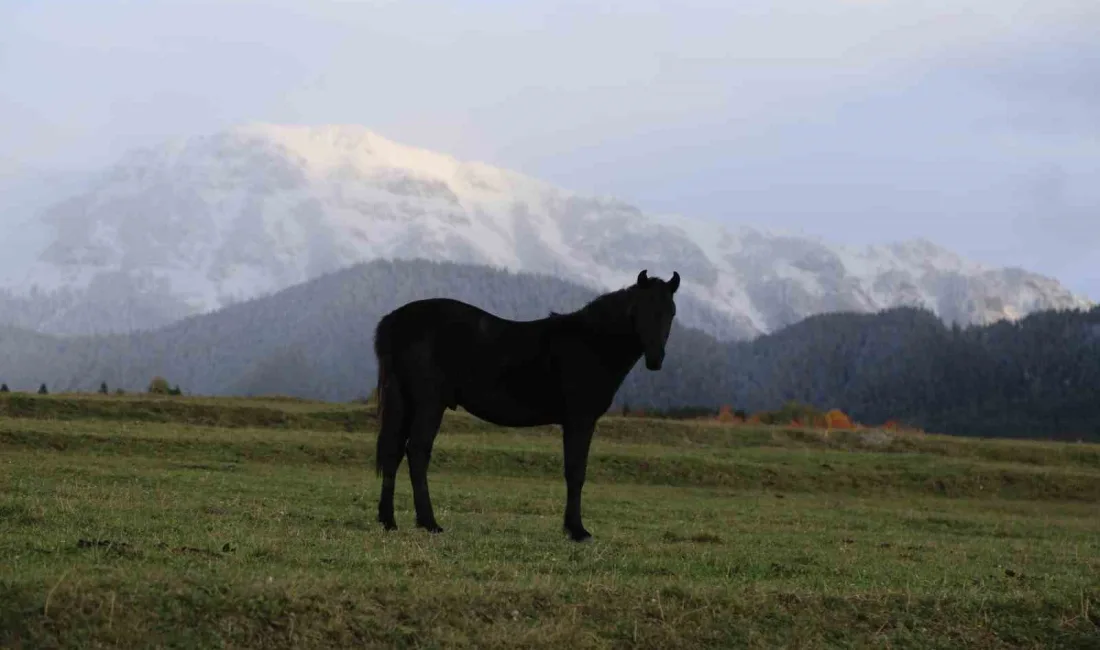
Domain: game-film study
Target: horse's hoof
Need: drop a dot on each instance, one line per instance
(388, 525)
(432, 528)
(580, 536)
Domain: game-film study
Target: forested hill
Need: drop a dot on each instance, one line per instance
(1038, 377)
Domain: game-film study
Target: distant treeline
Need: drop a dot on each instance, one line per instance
(1039, 377)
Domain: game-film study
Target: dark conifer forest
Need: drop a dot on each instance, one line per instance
(1038, 377)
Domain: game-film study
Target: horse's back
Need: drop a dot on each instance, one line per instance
(452, 330)
(432, 308)
(423, 317)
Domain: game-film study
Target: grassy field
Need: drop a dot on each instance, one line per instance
(183, 522)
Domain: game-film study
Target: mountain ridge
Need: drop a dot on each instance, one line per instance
(197, 223)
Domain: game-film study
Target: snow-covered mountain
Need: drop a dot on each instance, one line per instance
(197, 223)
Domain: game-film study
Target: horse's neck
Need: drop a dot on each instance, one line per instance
(612, 340)
(618, 352)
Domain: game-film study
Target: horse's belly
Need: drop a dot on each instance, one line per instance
(506, 408)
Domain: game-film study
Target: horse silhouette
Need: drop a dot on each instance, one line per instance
(564, 369)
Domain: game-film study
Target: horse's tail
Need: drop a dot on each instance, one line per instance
(390, 446)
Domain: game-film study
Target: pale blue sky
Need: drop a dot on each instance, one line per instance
(974, 123)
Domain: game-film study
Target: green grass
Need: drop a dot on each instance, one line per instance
(184, 522)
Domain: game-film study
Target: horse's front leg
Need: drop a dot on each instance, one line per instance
(577, 438)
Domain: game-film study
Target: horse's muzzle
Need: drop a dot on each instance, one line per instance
(654, 361)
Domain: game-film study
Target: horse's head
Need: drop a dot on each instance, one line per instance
(651, 312)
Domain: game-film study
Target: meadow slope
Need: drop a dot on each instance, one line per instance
(189, 522)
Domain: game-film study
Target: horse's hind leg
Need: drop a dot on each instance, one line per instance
(391, 450)
(392, 463)
(424, 427)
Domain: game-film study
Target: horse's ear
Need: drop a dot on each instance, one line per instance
(642, 277)
(674, 283)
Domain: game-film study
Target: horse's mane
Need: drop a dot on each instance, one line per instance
(602, 312)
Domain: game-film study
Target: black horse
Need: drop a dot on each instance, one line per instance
(564, 369)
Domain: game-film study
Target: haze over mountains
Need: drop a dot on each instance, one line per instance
(200, 223)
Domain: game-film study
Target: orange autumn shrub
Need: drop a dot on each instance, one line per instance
(837, 419)
(728, 415)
